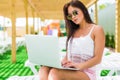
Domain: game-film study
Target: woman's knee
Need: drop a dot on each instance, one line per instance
(43, 72)
(44, 68)
(54, 74)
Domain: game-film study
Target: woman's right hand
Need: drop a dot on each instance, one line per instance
(64, 61)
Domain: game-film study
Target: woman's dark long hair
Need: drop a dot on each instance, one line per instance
(70, 26)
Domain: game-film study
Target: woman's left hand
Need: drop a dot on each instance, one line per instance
(72, 65)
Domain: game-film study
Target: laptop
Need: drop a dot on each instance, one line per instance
(44, 50)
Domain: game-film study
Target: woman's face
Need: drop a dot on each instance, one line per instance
(75, 14)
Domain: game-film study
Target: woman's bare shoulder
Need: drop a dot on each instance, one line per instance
(98, 29)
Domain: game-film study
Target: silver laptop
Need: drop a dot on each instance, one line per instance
(44, 50)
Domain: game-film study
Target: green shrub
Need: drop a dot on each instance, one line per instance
(110, 41)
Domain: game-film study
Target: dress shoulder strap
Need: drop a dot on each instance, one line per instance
(91, 30)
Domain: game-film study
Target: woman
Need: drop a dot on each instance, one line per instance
(85, 44)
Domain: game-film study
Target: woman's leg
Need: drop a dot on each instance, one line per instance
(43, 72)
(58, 74)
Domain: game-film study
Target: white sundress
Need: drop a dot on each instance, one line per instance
(82, 49)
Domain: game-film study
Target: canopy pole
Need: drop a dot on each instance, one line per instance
(91, 3)
(38, 23)
(117, 27)
(33, 31)
(13, 31)
(96, 13)
(26, 14)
